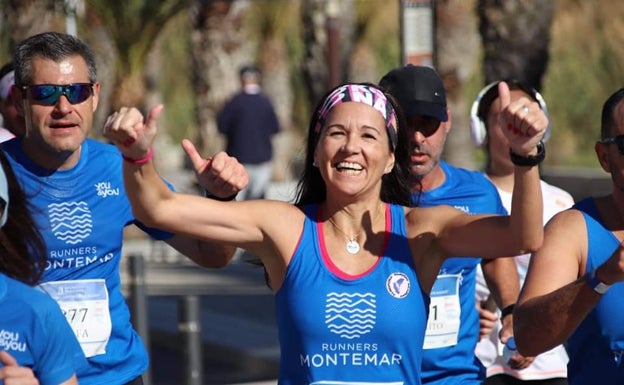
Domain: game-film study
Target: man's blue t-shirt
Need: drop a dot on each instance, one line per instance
(81, 213)
(453, 325)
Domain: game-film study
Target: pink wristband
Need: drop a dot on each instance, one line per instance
(143, 160)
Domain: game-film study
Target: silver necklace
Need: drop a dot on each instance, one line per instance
(352, 247)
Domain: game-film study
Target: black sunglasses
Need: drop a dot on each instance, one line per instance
(426, 125)
(618, 139)
(49, 94)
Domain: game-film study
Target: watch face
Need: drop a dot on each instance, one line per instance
(593, 282)
(601, 288)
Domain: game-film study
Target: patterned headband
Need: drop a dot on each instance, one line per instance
(360, 93)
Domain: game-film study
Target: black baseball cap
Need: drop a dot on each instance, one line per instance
(418, 89)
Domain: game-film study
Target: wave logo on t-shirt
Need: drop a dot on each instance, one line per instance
(398, 285)
(350, 315)
(70, 221)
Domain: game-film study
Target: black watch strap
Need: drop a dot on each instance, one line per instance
(507, 310)
(226, 199)
(530, 160)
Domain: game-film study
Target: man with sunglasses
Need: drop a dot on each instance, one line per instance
(76, 185)
(453, 324)
(573, 292)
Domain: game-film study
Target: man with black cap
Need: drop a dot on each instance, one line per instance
(453, 324)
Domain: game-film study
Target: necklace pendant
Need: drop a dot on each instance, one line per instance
(353, 247)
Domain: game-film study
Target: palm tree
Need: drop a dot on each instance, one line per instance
(133, 27)
(24, 18)
(516, 38)
(219, 44)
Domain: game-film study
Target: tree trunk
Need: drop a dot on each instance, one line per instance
(218, 46)
(314, 64)
(456, 43)
(29, 17)
(516, 37)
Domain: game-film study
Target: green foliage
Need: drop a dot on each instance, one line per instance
(584, 69)
(587, 49)
(177, 91)
(380, 29)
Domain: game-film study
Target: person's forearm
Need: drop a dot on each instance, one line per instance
(501, 276)
(543, 322)
(203, 253)
(527, 209)
(146, 191)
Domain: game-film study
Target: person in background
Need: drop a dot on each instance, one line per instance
(351, 265)
(248, 121)
(12, 123)
(453, 325)
(76, 187)
(37, 346)
(573, 293)
(549, 368)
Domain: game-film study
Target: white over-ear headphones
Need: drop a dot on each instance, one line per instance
(478, 129)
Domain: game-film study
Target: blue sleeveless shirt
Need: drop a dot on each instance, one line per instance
(337, 329)
(599, 339)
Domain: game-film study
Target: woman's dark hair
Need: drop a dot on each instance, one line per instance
(394, 188)
(22, 249)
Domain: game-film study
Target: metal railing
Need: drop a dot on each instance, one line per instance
(189, 322)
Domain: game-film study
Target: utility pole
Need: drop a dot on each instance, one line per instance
(72, 8)
(417, 19)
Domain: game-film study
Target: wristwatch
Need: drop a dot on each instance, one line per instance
(529, 160)
(597, 285)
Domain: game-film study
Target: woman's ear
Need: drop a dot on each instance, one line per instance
(390, 164)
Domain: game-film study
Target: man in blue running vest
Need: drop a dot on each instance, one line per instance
(453, 324)
(573, 291)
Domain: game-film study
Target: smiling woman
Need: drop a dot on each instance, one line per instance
(356, 313)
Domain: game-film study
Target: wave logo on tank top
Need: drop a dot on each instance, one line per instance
(350, 315)
(398, 285)
(70, 221)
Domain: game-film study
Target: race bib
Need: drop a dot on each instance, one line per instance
(444, 312)
(85, 305)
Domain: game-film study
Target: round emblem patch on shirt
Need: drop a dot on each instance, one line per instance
(398, 285)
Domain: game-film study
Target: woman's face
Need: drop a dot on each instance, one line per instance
(353, 151)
